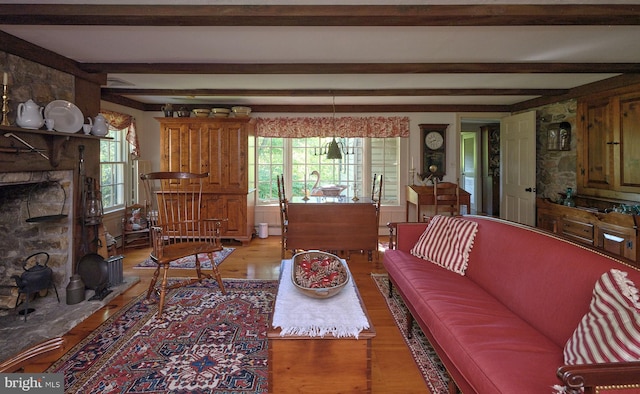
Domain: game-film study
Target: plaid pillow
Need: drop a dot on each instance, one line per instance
(610, 331)
(447, 242)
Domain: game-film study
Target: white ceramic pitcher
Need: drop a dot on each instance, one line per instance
(30, 115)
(100, 127)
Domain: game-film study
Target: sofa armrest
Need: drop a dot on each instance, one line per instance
(589, 376)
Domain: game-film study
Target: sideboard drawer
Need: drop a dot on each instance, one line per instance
(578, 231)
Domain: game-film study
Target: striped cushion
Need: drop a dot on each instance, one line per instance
(610, 331)
(447, 242)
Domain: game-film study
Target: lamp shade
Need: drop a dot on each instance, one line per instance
(334, 150)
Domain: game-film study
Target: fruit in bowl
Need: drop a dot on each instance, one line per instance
(319, 274)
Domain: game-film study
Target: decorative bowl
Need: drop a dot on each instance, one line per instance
(332, 191)
(183, 113)
(201, 113)
(241, 111)
(318, 274)
(220, 112)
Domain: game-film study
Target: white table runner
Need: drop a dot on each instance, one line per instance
(299, 314)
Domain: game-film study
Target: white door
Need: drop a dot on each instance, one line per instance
(468, 167)
(518, 168)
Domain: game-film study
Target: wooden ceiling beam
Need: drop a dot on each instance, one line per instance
(24, 49)
(358, 68)
(580, 91)
(355, 108)
(330, 93)
(321, 15)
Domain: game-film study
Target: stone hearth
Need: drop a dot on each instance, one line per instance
(50, 318)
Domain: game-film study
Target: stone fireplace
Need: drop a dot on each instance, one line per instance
(40, 203)
(36, 215)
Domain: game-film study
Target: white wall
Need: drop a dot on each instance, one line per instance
(149, 137)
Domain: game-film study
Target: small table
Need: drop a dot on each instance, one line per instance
(333, 225)
(320, 364)
(423, 195)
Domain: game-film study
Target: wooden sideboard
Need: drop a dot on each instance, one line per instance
(423, 195)
(614, 233)
(225, 148)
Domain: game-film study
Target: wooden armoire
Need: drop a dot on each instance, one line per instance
(225, 148)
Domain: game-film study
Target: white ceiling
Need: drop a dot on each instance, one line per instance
(338, 44)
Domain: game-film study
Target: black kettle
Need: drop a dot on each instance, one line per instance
(36, 278)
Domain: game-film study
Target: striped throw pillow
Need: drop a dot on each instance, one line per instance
(610, 331)
(447, 241)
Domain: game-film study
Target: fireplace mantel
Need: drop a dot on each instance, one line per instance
(56, 142)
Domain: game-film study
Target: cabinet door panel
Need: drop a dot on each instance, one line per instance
(236, 210)
(237, 154)
(214, 149)
(174, 148)
(630, 142)
(597, 152)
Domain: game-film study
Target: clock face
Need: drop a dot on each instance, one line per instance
(433, 140)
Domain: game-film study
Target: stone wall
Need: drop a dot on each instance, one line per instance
(29, 80)
(19, 199)
(556, 170)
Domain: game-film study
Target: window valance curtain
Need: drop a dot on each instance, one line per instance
(350, 127)
(120, 121)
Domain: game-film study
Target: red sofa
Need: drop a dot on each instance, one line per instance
(502, 327)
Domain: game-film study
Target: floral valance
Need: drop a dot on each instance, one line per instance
(350, 127)
(120, 121)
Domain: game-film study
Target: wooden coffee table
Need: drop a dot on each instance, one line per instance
(320, 364)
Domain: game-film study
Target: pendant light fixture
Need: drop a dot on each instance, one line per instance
(334, 149)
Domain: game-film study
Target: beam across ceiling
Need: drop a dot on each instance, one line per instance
(357, 68)
(321, 15)
(334, 93)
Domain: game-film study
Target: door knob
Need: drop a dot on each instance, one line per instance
(529, 189)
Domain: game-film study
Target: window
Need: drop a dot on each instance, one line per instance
(297, 158)
(114, 160)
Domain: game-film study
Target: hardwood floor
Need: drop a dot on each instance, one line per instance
(393, 368)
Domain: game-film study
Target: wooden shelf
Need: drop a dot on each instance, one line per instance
(55, 142)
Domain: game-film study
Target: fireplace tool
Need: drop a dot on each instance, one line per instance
(37, 278)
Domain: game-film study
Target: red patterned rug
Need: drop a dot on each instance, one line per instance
(190, 261)
(434, 373)
(205, 342)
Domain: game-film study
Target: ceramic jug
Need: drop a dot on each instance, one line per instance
(100, 127)
(30, 115)
(75, 290)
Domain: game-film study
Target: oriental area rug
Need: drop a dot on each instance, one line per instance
(190, 261)
(434, 373)
(205, 342)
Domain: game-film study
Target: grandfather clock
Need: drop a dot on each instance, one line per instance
(433, 146)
